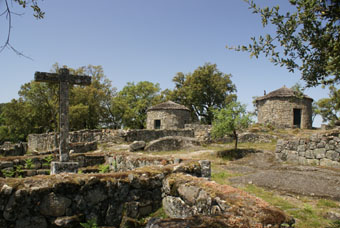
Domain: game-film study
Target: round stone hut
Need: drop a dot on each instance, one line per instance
(283, 108)
(167, 115)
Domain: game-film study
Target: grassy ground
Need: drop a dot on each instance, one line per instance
(308, 212)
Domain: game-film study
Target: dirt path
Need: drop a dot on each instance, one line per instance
(262, 170)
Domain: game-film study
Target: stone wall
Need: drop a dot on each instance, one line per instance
(323, 150)
(121, 199)
(279, 112)
(50, 141)
(13, 149)
(201, 131)
(149, 135)
(169, 119)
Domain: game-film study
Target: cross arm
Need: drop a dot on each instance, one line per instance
(46, 77)
(56, 78)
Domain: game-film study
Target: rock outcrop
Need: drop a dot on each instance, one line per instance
(172, 143)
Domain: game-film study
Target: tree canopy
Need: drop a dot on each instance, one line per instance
(131, 103)
(202, 91)
(36, 110)
(329, 108)
(306, 39)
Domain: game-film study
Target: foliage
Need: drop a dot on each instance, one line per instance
(29, 163)
(230, 120)
(104, 168)
(48, 160)
(90, 106)
(36, 110)
(18, 121)
(306, 39)
(202, 91)
(92, 223)
(329, 108)
(131, 103)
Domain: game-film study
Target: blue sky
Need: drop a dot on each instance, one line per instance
(142, 40)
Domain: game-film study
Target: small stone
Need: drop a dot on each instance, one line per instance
(7, 190)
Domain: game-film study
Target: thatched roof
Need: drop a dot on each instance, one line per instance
(169, 105)
(282, 92)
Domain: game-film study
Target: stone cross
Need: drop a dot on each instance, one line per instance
(64, 78)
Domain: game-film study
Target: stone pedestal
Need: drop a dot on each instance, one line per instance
(64, 167)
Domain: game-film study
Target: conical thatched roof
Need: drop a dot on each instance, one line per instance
(168, 105)
(282, 92)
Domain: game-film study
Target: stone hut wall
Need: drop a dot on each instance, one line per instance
(170, 119)
(279, 112)
(323, 150)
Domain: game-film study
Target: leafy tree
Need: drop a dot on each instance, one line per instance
(230, 120)
(91, 106)
(329, 108)
(306, 39)
(202, 91)
(18, 121)
(36, 111)
(132, 102)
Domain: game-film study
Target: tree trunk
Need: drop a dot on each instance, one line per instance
(236, 139)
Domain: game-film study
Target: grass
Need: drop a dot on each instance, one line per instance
(308, 212)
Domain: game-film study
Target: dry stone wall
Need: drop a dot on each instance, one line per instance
(13, 149)
(319, 149)
(50, 141)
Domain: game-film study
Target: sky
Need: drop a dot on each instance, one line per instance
(142, 40)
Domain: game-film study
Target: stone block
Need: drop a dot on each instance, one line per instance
(292, 157)
(205, 168)
(319, 153)
(302, 161)
(301, 148)
(136, 146)
(331, 154)
(64, 167)
(313, 161)
(329, 163)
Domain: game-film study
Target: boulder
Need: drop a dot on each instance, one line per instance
(172, 143)
(136, 146)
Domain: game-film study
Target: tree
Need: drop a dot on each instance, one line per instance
(132, 102)
(91, 106)
(230, 120)
(37, 109)
(18, 120)
(306, 39)
(329, 108)
(202, 91)
(7, 13)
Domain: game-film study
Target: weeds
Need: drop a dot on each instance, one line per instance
(104, 168)
(92, 223)
(48, 160)
(29, 163)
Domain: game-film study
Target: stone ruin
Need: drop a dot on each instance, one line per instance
(135, 186)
